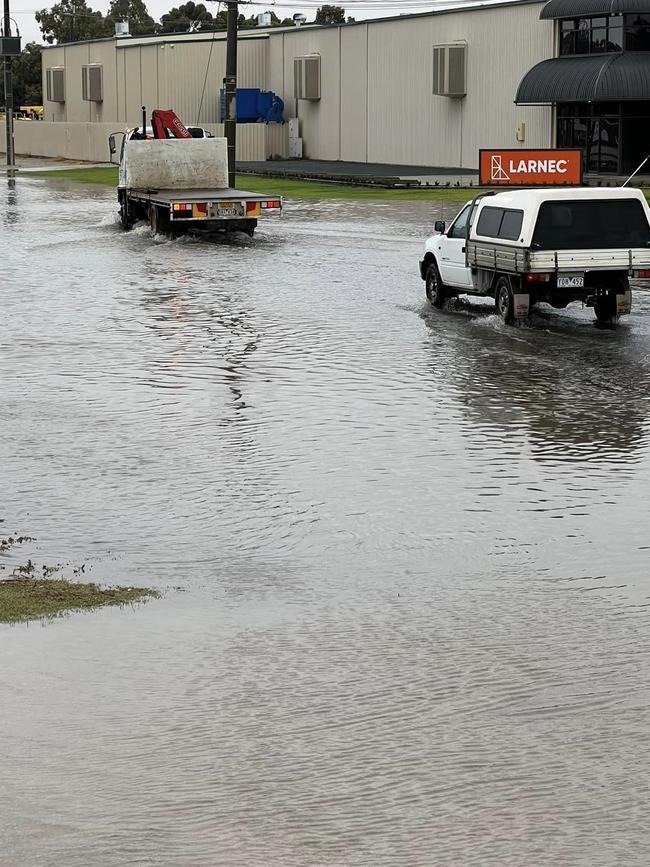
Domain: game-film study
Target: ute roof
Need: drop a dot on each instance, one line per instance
(531, 198)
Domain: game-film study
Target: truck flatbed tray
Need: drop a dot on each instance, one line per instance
(228, 194)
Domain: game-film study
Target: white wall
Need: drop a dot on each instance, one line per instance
(88, 142)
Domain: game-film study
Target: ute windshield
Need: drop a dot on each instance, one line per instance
(591, 224)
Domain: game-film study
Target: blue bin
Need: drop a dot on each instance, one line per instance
(246, 104)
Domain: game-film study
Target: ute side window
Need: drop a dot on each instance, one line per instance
(459, 229)
(500, 223)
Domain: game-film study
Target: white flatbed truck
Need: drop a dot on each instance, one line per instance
(178, 184)
(524, 247)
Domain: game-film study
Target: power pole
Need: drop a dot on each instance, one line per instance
(230, 88)
(9, 92)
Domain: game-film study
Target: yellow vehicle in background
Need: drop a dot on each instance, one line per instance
(29, 112)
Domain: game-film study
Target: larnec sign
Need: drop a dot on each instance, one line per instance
(530, 168)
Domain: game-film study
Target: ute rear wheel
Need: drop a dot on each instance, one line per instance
(434, 286)
(504, 300)
(605, 308)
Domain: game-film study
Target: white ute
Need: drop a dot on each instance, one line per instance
(522, 247)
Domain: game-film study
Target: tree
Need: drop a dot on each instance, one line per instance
(133, 11)
(26, 77)
(330, 15)
(178, 19)
(71, 21)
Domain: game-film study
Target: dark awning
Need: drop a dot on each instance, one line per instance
(579, 8)
(602, 78)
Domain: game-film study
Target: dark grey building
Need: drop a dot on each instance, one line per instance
(599, 83)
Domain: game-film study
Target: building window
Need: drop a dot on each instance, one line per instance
(592, 35)
(595, 129)
(637, 32)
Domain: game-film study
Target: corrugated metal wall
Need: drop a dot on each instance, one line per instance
(165, 73)
(377, 82)
(376, 103)
(184, 75)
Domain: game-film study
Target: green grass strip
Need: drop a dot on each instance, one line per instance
(289, 188)
(286, 187)
(24, 598)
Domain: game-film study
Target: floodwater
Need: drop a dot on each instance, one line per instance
(405, 555)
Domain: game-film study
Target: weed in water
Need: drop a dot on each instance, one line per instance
(24, 597)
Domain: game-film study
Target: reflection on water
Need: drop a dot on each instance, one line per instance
(410, 552)
(580, 400)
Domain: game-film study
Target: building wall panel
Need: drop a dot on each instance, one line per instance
(354, 94)
(320, 119)
(149, 76)
(54, 56)
(104, 53)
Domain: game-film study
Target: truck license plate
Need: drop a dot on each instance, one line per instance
(230, 209)
(571, 281)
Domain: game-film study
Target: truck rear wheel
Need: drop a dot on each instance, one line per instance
(158, 220)
(504, 300)
(434, 286)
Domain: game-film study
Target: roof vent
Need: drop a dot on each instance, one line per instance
(121, 28)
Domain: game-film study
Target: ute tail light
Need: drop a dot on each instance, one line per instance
(538, 278)
(644, 273)
(272, 203)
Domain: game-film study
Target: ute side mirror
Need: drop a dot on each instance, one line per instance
(439, 226)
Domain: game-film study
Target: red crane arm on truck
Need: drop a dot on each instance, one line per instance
(166, 124)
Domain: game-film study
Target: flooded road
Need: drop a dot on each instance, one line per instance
(405, 553)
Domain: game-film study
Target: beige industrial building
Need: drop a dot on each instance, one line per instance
(366, 93)
(424, 90)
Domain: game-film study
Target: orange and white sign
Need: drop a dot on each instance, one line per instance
(530, 168)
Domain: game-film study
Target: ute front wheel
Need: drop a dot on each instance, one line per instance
(434, 286)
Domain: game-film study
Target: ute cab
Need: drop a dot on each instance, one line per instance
(556, 246)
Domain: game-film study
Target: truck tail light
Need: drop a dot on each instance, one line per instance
(644, 273)
(272, 203)
(201, 207)
(538, 278)
(252, 207)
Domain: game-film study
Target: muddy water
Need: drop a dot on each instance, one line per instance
(410, 550)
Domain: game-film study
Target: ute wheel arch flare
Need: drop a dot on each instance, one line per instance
(530, 168)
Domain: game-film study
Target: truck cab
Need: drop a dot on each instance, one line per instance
(523, 247)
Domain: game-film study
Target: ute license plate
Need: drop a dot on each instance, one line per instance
(571, 281)
(230, 209)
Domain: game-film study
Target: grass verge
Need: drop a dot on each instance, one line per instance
(24, 598)
(291, 189)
